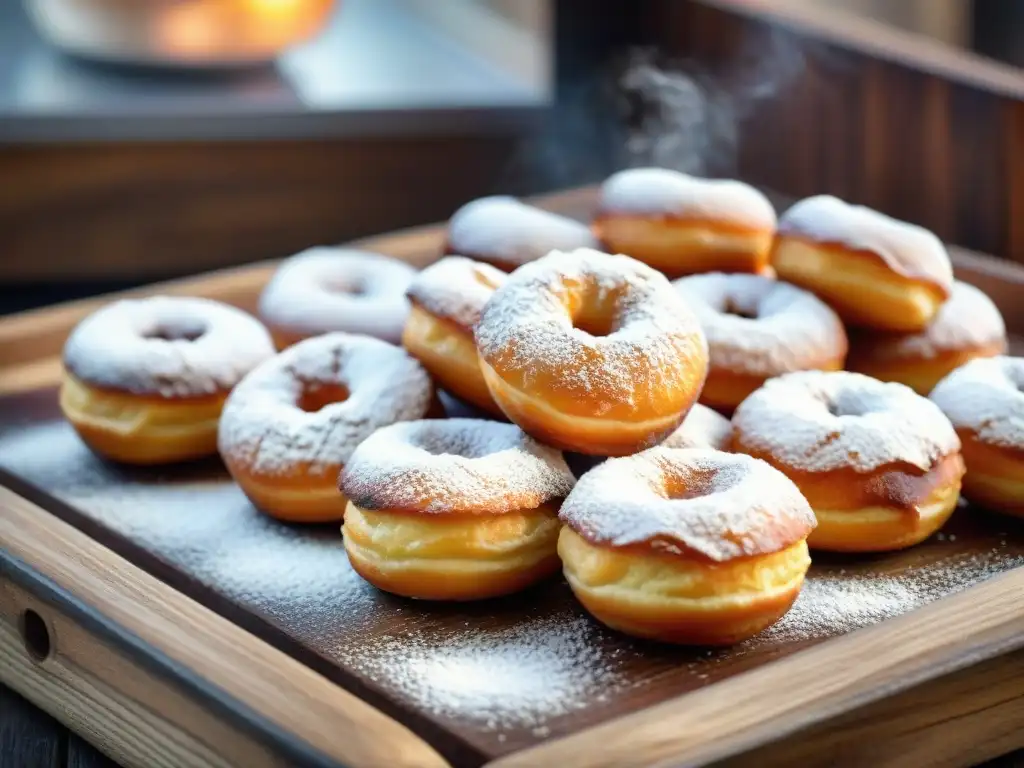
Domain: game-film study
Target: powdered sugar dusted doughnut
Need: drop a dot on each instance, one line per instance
(986, 397)
(985, 401)
(447, 300)
(591, 352)
(453, 510)
(327, 289)
(907, 249)
(455, 289)
(507, 233)
(684, 501)
(879, 464)
(291, 425)
(664, 192)
(702, 428)
(968, 326)
(686, 546)
(684, 225)
(759, 328)
(815, 421)
(455, 465)
(167, 346)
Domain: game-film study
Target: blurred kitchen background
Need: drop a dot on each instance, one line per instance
(148, 139)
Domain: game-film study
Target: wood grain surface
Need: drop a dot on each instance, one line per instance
(532, 672)
(283, 692)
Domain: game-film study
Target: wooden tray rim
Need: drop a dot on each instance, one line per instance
(696, 727)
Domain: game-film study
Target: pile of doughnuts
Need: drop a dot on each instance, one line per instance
(769, 403)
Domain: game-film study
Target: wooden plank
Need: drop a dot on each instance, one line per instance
(746, 711)
(274, 686)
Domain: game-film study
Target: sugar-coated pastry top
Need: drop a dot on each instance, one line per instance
(466, 466)
(265, 428)
(664, 192)
(504, 230)
(702, 428)
(968, 319)
(653, 346)
(455, 289)
(907, 249)
(327, 289)
(761, 327)
(683, 501)
(815, 421)
(168, 346)
(986, 397)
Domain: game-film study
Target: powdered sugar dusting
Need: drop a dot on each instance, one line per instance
(517, 676)
(761, 327)
(814, 421)
(455, 465)
(503, 231)
(702, 428)
(734, 505)
(968, 320)
(455, 289)
(664, 192)
(326, 289)
(263, 428)
(169, 346)
(655, 344)
(986, 396)
(907, 248)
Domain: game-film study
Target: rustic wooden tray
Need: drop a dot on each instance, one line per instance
(157, 613)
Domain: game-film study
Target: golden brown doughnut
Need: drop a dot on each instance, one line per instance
(968, 326)
(455, 509)
(591, 353)
(682, 225)
(145, 379)
(291, 425)
(686, 546)
(875, 271)
(984, 400)
(702, 428)
(327, 289)
(758, 329)
(447, 298)
(879, 464)
(507, 233)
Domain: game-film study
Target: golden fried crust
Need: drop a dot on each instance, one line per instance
(680, 246)
(141, 429)
(452, 557)
(995, 475)
(858, 284)
(689, 601)
(449, 355)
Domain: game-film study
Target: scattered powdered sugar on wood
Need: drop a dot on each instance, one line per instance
(815, 421)
(505, 231)
(654, 345)
(455, 465)
(664, 192)
(512, 677)
(171, 346)
(907, 249)
(327, 289)
(702, 428)
(762, 327)
(731, 505)
(838, 601)
(264, 429)
(455, 289)
(986, 396)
